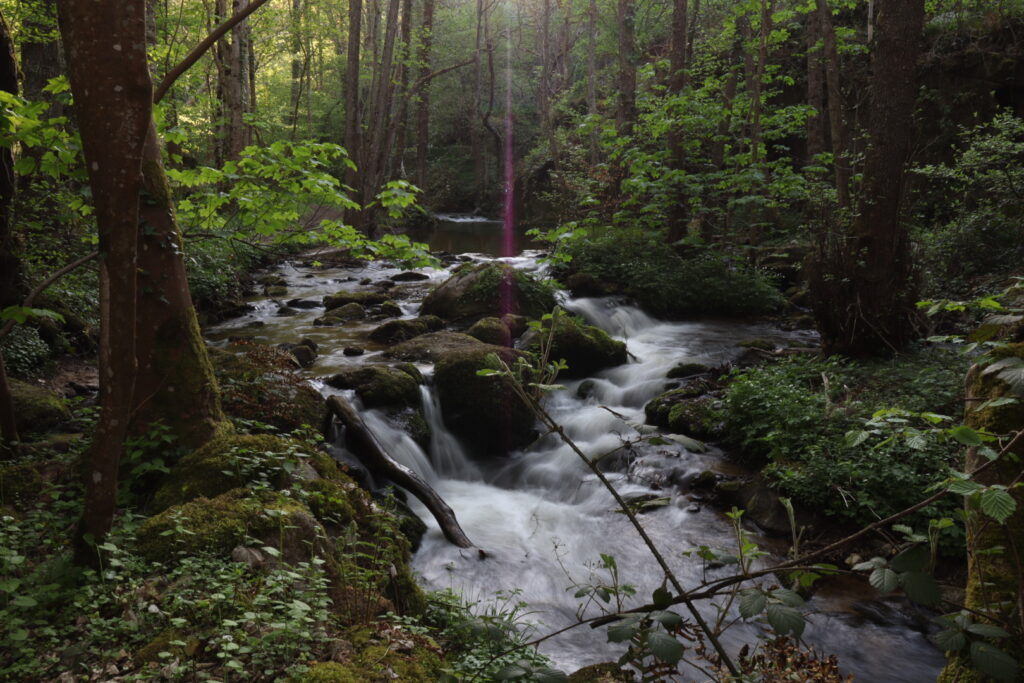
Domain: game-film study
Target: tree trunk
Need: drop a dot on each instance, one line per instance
(592, 77)
(476, 147)
(106, 48)
(401, 120)
(836, 110)
(423, 106)
(175, 383)
(994, 579)
(626, 114)
(815, 89)
(232, 59)
(379, 116)
(757, 105)
(10, 263)
(353, 134)
(864, 293)
(298, 67)
(41, 57)
(678, 213)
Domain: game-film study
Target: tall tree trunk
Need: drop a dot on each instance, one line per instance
(298, 66)
(10, 263)
(232, 59)
(678, 213)
(626, 113)
(815, 89)
(476, 147)
(423, 105)
(757, 105)
(105, 44)
(353, 123)
(592, 76)
(401, 122)
(379, 115)
(41, 57)
(864, 297)
(836, 110)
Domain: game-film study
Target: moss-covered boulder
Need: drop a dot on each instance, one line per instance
(379, 386)
(430, 347)
(484, 411)
(489, 289)
(491, 330)
(658, 408)
(363, 298)
(227, 461)
(36, 409)
(262, 385)
(217, 525)
(699, 417)
(585, 348)
(383, 657)
(395, 331)
(686, 370)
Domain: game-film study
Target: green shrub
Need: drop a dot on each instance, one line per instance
(795, 416)
(665, 283)
(25, 353)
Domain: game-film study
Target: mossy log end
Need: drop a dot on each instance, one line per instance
(994, 581)
(366, 447)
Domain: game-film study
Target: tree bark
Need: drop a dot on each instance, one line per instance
(757, 105)
(678, 213)
(379, 115)
(592, 76)
(815, 89)
(864, 294)
(626, 113)
(423, 92)
(401, 119)
(41, 57)
(836, 110)
(364, 445)
(106, 48)
(10, 263)
(353, 135)
(233, 83)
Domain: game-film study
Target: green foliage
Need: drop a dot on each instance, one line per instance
(663, 282)
(830, 441)
(25, 353)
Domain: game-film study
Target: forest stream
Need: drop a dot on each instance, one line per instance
(542, 518)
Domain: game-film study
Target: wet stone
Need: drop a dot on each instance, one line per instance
(305, 304)
(409, 276)
(353, 351)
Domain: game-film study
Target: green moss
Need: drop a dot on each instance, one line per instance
(658, 408)
(608, 672)
(379, 386)
(585, 348)
(19, 484)
(332, 672)
(489, 289)
(330, 501)
(485, 411)
(36, 409)
(697, 417)
(150, 652)
(214, 469)
(383, 662)
(217, 525)
(683, 370)
(491, 330)
(395, 331)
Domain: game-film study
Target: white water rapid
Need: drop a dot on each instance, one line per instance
(545, 521)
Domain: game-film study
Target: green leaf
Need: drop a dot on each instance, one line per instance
(788, 597)
(921, 588)
(950, 640)
(665, 647)
(25, 601)
(993, 662)
(998, 504)
(623, 630)
(988, 631)
(662, 597)
(666, 618)
(785, 620)
(965, 435)
(884, 580)
(913, 559)
(752, 603)
(25, 165)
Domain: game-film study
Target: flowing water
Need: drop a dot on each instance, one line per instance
(545, 521)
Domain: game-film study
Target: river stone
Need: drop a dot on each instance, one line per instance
(305, 304)
(762, 505)
(687, 369)
(390, 309)
(379, 386)
(658, 408)
(395, 331)
(410, 276)
(339, 299)
(484, 411)
(36, 409)
(353, 351)
(491, 330)
(585, 348)
(476, 291)
(431, 346)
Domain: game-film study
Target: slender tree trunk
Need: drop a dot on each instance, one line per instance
(298, 70)
(10, 264)
(815, 89)
(475, 132)
(757, 105)
(401, 121)
(41, 57)
(864, 302)
(626, 114)
(379, 115)
(592, 75)
(678, 212)
(423, 106)
(106, 48)
(353, 134)
(836, 110)
(232, 59)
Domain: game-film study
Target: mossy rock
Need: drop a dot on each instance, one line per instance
(491, 330)
(658, 408)
(430, 347)
(484, 411)
(332, 501)
(685, 370)
(489, 289)
(699, 417)
(349, 311)
(379, 386)
(403, 657)
(585, 348)
(412, 422)
(216, 468)
(339, 299)
(390, 309)
(217, 525)
(36, 409)
(395, 331)
(262, 385)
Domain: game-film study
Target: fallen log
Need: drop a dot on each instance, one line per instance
(365, 446)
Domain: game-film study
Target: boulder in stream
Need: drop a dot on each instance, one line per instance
(430, 347)
(491, 330)
(476, 291)
(395, 331)
(379, 386)
(339, 299)
(585, 348)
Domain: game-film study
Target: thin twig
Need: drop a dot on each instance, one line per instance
(42, 287)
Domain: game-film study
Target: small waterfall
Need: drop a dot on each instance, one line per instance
(446, 453)
(400, 445)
